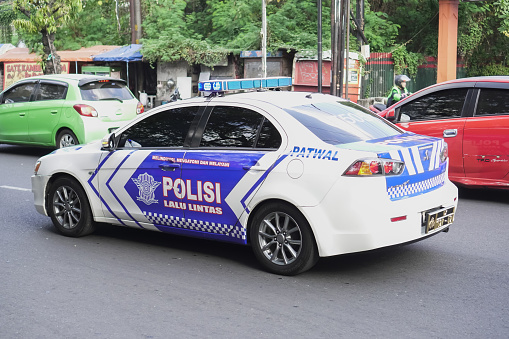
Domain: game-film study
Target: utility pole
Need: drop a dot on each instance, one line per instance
(319, 46)
(135, 11)
(338, 19)
(447, 40)
(264, 39)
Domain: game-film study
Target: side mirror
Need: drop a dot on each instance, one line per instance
(391, 115)
(109, 142)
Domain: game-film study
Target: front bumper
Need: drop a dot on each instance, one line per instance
(39, 184)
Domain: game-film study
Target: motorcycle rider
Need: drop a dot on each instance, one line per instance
(399, 91)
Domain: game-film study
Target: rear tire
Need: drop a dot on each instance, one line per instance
(282, 239)
(66, 138)
(69, 208)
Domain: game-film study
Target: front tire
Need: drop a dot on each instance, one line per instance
(282, 239)
(66, 138)
(69, 209)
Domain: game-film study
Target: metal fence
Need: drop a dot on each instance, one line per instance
(378, 75)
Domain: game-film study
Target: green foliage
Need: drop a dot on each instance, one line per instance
(45, 15)
(380, 31)
(169, 39)
(490, 69)
(406, 62)
(202, 31)
(7, 15)
(102, 22)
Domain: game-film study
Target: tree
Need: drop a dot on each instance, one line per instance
(45, 17)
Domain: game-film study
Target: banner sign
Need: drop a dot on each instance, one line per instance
(14, 71)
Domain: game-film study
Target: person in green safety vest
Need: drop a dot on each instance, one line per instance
(399, 91)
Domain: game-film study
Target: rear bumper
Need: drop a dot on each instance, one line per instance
(350, 220)
(95, 129)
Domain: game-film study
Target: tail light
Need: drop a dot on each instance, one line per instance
(139, 108)
(85, 110)
(366, 167)
(444, 154)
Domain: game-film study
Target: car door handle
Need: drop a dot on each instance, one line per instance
(169, 167)
(22, 114)
(54, 112)
(450, 133)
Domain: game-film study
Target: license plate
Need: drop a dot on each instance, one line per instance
(437, 218)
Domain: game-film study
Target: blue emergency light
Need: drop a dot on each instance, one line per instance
(243, 84)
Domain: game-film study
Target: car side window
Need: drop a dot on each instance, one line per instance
(48, 91)
(444, 104)
(269, 136)
(493, 102)
(19, 93)
(164, 129)
(239, 127)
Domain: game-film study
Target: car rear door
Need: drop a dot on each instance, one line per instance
(14, 108)
(231, 156)
(439, 113)
(486, 136)
(46, 110)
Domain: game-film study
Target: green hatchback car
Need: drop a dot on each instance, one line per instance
(64, 109)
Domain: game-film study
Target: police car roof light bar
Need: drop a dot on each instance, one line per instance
(216, 86)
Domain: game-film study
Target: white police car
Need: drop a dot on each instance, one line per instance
(296, 175)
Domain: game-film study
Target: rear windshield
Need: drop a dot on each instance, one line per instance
(342, 122)
(99, 90)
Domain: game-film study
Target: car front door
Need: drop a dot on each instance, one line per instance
(139, 182)
(14, 110)
(230, 158)
(46, 111)
(486, 136)
(439, 114)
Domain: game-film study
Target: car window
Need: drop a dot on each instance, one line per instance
(19, 93)
(493, 102)
(164, 129)
(444, 104)
(342, 122)
(269, 136)
(105, 90)
(50, 92)
(239, 127)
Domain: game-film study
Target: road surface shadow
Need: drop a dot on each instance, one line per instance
(484, 194)
(24, 150)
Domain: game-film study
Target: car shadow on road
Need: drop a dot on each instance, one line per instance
(24, 150)
(484, 194)
(376, 262)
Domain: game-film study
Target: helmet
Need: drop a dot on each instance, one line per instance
(400, 78)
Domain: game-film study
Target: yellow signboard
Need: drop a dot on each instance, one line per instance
(14, 71)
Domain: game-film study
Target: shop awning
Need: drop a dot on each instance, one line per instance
(83, 54)
(127, 53)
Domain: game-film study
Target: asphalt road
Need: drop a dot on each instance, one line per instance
(126, 283)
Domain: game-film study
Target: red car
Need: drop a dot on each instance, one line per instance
(472, 115)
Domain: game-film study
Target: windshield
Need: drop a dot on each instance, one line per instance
(105, 90)
(342, 122)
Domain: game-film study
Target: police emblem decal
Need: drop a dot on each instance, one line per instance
(147, 186)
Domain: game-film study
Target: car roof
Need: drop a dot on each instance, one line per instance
(281, 99)
(68, 77)
(495, 78)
